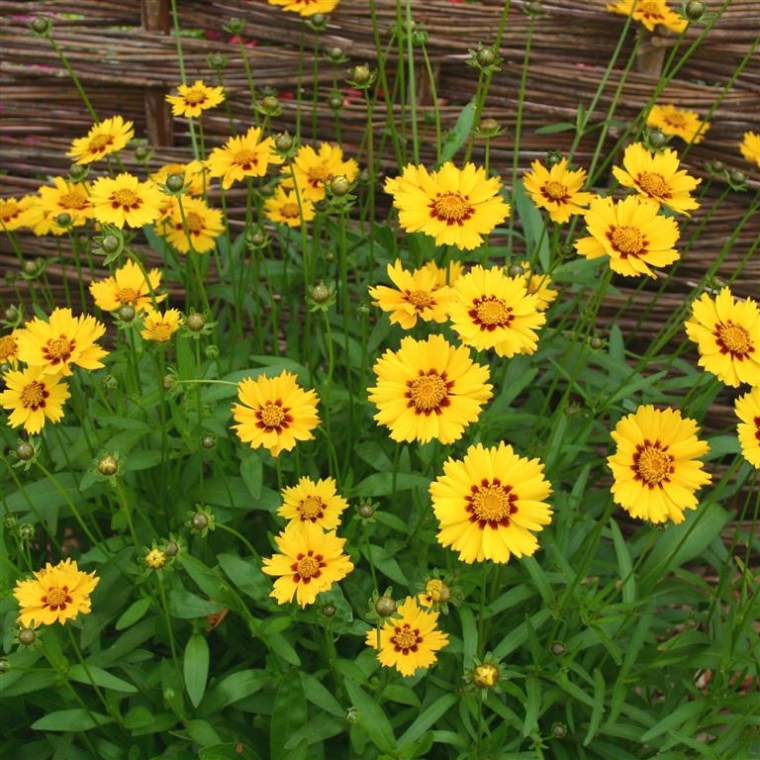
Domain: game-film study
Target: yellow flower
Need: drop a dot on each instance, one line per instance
(283, 207)
(274, 412)
(429, 389)
(194, 99)
(33, 397)
(455, 206)
(410, 641)
(727, 334)
(8, 351)
(418, 294)
(747, 408)
(631, 233)
(105, 137)
(309, 562)
(489, 502)
(306, 7)
(124, 200)
(447, 275)
(655, 465)
(72, 198)
(656, 178)
(128, 287)
(15, 213)
(313, 169)
(194, 226)
(160, 327)
(539, 285)
(494, 310)
(313, 502)
(750, 147)
(650, 13)
(678, 122)
(485, 675)
(436, 594)
(57, 593)
(244, 156)
(155, 559)
(194, 173)
(60, 342)
(557, 189)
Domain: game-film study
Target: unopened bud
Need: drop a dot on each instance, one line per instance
(27, 636)
(385, 606)
(25, 451)
(694, 10)
(127, 312)
(196, 321)
(108, 465)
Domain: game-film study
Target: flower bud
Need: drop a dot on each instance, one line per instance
(486, 676)
(335, 54)
(657, 139)
(25, 451)
(199, 521)
(42, 25)
(283, 142)
(558, 649)
(489, 127)
(737, 177)
(175, 183)
(335, 102)
(216, 61)
(318, 21)
(366, 510)
(257, 237)
(196, 321)
(63, 219)
(110, 383)
(171, 549)
(485, 57)
(5, 665)
(142, 153)
(340, 186)
(385, 606)
(208, 441)
(26, 531)
(235, 26)
(168, 382)
(270, 105)
(108, 465)
(77, 172)
(694, 10)
(320, 293)
(360, 74)
(212, 352)
(329, 610)
(27, 636)
(155, 559)
(559, 730)
(110, 243)
(127, 312)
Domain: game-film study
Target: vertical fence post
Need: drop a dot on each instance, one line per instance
(160, 128)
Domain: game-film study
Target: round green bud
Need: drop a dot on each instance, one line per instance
(63, 219)
(25, 451)
(320, 293)
(199, 521)
(26, 531)
(485, 57)
(110, 243)
(27, 636)
(196, 321)
(366, 511)
(41, 25)
(329, 610)
(108, 465)
(657, 139)
(171, 549)
(340, 186)
(77, 172)
(385, 606)
(694, 10)
(142, 153)
(127, 312)
(283, 142)
(175, 182)
(335, 102)
(360, 74)
(168, 382)
(208, 441)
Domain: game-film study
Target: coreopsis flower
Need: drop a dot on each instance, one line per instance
(655, 465)
(678, 122)
(155, 558)
(557, 189)
(631, 233)
(193, 99)
(306, 7)
(312, 170)
(651, 13)
(747, 409)
(33, 397)
(9, 351)
(247, 155)
(750, 147)
(309, 561)
(128, 286)
(429, 389)
(455, 206)
(125, 200)
(194, 173)
(274, 412)
(72, 198)
(193, 225)
(159, 326)
(418, 294)
(409, 641)
(316, 502)
(61, 342)
(16, 213)
(656, 178)
(436, 594)
(490, 504)
(496, 311)
(105, 137)
(539, 285)
(57, 593)
(447, 275)
(727, 334)
(285, 207)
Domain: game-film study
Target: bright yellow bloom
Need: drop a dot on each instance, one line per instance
(60, 342)
(655, 465)
(557, 189)
(314, 502)
(309, 562)
(8, 351)
(193, 225)
(274, 412)
(15, 213)
(678, 122)
(194, 173)
(455, 206)
(447, 275)
(539, 285)
(32, 398)
(651, 13)
(105, 137)
(160, 327)
(631, 233)
(727, 334)
(128, 286)
(656, 178)
(124, 200)
(496, 311)
(489, 503)
(408, 642)
(747, 408)
(306, 7)
(72, 198)
(312, 170)
(417, 294)
(429, 389)
(244, 156)
(283, 207)
(194, 99)
(435, 595)
(57, 593)
(750, 147)
(155, 559)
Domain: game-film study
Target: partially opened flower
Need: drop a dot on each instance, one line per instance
(557, 189)
(72, 198)
(8, 351)
(410, 640)
(193, 99)
(274, 412)
(539, 285)
(16, 213)
(656, 178)
(678, 122)
(33, 398)
(651, 13)
(285, 207)
(429, 389)
(316, 502)
(193, 225)
(750, 147)
(309, 561)
(747, 408)
(57, 593)
(312, 170)
(727, 334)
(125, 201)
(104, 138)
(160, 326)
(656, 467)
(491, 503)
(306, 7)
(248, 155)
(128, 286)
(631, 233)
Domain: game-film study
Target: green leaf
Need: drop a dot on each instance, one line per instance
(76, 719)
(534, 226)
(246, 576)
(458, 135)
(386, 483)
(625, 564)
(187, 606)
(233, 688)
(195, 667)
(91, 674)
(469, 634)
(319, 728)
(519, 634)
(288, 715)
(251, 470)
(320, 696)
(532, 704)
(133, 613)
(673, 720)
(427, 718)
(396, 692)
(371, 718)
(228, 751)
(385, 563)
(597, 711)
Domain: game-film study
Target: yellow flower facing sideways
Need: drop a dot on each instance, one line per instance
(678, 122)
(750, 147)
(306, 8)
(128, 286)
(160, 326)
(104, 138)
(651, 13)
